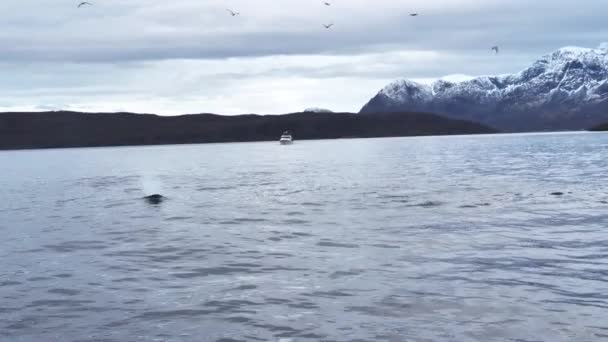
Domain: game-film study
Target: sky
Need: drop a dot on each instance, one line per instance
(191, 56)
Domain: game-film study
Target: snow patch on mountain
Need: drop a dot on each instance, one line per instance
(455, 78)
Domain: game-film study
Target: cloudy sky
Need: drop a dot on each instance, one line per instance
(191, 56)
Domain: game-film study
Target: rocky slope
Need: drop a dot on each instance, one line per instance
(564, 90)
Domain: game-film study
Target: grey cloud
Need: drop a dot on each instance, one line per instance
(191, 56)
(108, 34)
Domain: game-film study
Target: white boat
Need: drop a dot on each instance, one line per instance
(286, 139)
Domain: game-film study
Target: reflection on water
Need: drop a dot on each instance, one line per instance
(411, 239)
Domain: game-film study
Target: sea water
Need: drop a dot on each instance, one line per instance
(461, 238)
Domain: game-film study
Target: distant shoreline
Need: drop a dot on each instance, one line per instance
(62, 129)
(600, 128)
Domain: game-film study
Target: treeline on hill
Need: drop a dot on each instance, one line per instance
(73, 129)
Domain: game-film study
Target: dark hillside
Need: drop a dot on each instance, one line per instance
(72, 129)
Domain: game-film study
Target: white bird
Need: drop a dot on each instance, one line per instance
(84, 3)
(232, 13)
(495, 48)
(327, 3)
(413, 14)
(328, 26)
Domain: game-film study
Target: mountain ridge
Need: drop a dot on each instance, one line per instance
(62, 129)
(566, 89)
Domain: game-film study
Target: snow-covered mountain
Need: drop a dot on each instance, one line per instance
(317, 110)
(567, 89)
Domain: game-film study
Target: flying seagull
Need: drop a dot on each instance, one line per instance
(413, 14)
(328, 26)
(232, 13)
(495, 48)
(327, 3)
(84, 3)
